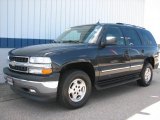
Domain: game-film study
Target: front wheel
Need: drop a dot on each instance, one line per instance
(146, 75)
(74, 89)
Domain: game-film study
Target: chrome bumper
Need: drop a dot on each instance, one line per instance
(34, 87)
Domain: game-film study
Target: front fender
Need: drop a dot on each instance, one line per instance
(76, 61)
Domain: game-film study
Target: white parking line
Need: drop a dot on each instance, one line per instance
(150, 113)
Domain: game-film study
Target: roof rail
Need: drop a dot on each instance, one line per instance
(130, 25)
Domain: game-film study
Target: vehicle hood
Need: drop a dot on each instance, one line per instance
(45, 49)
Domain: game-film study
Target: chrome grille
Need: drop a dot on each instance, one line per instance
(17, 63)
(18, 68)
(18, 59)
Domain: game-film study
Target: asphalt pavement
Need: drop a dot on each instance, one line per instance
(3, 61)
(118, 103)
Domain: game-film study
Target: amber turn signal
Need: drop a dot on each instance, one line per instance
(46, 71)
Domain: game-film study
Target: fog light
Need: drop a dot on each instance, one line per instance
(35, 71)
(44, 71)
(32, 91)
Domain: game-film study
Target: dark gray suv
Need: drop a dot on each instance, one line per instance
(83, 57)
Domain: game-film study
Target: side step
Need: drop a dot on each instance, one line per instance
(103, 84)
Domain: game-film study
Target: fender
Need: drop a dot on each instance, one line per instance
(77, 61)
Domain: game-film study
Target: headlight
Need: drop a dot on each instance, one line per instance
(40, 60)
(40, 65)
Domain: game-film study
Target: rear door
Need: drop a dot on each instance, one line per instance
(136, 50)
(150, 45)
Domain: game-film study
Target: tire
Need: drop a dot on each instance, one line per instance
(146, 81)
(74, 89)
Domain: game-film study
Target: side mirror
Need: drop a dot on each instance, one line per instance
(111, 40)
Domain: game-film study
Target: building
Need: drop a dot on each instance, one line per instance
(152, 17)
(27, 22)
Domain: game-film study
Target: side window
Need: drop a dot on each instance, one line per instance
(115, 32)
(148, 38)
(132, 37)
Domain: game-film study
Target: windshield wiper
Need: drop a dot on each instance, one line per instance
(55, 41)
(71, 41)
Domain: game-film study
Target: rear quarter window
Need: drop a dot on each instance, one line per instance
(147, 38)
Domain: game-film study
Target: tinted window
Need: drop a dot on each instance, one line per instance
(147, 38)
(115, 32)
(132, 37)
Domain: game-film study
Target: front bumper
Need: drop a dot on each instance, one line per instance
(40, 88)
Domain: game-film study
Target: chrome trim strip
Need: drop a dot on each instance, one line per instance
(5, 76)
(114, 69)
(136, 66)
(29, 65)
(121, 68)
(32, 65)
(20, 57)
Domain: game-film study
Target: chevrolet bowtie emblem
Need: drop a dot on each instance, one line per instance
(13, 63)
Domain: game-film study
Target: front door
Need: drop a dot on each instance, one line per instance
(113, 60)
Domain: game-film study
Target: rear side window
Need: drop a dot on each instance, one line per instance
(132, 37)
(115, 32)
(148, 39)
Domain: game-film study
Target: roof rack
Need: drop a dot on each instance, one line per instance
(130, 25)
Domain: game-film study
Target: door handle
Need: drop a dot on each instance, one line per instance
(126, 54)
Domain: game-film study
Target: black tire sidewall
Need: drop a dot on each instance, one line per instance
(72, 75)
(147, 65)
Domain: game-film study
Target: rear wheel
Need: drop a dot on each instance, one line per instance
(74, 89)
(146, 75)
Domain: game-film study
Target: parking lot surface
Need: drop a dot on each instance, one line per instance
(118, 103)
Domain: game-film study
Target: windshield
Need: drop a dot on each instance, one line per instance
(80, 34)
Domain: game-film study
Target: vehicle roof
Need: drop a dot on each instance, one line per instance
(115, 24)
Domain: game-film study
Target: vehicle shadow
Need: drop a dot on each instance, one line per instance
(96, 97)
(104, 102)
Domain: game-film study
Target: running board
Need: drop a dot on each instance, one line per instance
(103, 84)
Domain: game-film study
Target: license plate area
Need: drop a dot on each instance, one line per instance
(9, 80)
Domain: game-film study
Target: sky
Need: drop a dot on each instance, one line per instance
(152, 18)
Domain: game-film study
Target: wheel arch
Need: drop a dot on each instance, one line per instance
(150, 60)
(84, 65)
